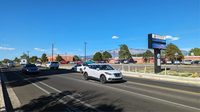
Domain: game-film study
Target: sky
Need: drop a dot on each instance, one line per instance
(33, 25)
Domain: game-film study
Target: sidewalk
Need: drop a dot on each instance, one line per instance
(2, 104)
(195, 80)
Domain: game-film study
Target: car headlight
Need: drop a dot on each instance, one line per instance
(38, 69)
(26, 69)
(108, 73)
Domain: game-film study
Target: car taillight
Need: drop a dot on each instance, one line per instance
(84, 68)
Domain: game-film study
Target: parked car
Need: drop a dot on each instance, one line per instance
(88, 62)
(52, 64)
(117, 62)
(168, 62)
(71, 62)
(103, 72)
(187, 62)
(126, 61)
(176, 62)
(79, 62)
(79, 68)
(63, 62)
(162, 62)
(132, 61)
(38, 64)
(10, 64)
(195, 62)
(30, 68)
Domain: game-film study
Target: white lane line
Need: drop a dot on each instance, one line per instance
(60, 100)
(138, 94)
(79, 101)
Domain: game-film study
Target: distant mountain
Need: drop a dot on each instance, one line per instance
(115, 52)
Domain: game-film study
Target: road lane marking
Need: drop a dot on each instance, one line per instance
(79, 101)
(163, 87)
(154, 98)
(166, 101)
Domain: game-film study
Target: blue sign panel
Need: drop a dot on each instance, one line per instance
(158, 40)
(158, 46)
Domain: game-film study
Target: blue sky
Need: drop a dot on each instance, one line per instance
(33, 25)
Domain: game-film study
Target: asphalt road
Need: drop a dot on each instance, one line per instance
(62, 90)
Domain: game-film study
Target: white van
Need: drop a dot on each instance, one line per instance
(23, 61)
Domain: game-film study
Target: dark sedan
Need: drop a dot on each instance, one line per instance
(30, 68)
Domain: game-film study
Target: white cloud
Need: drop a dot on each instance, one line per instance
(5, 48)
(172, 38)
(5, 44)
(115, 37)
(38, 49)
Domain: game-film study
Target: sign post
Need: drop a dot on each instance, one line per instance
(176, 54)
(158, 43)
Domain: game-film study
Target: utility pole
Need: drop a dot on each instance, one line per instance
(28, 56)
(52, 51)
(65, 56)
(85, 50)
(114, 55)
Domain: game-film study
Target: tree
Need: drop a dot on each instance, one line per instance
(147, 55)
(106, 55)
(5, 60)
(124, 52)
(137, 55)
(44, 58)
(97, 56)
(196, 51)
(170, 50)
(59, 58)
(16, 60)
(24, 56)
(76, 58)
(33, 59)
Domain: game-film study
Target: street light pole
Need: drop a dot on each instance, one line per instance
(52, 51)
(85, 50)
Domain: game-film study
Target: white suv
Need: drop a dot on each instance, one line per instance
(52, 64)
(103, 72)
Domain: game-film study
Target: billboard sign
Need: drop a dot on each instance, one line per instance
(161, 37)
(156, 41)
(158, 46)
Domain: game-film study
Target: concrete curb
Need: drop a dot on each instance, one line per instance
(2, 103)
(164, 78)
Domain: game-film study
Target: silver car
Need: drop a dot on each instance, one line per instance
(30, 68)
(168, 62)
(38, 64)
(187, 62)
(176, 62)
(10, 64)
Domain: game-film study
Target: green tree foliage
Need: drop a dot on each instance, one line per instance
(76, 58)
(124, 52)
(24, 56)
(16, 60)
(44, 58)
(59, 58)
(196, 51)
(137, 55)
(33, 59)
(5, 60)
(97, 56)
(106, 55)
(147, 55)
(170, 50)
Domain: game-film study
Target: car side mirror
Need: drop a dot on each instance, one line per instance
(97, 69)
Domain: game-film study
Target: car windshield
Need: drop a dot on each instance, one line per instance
(30, 65)
(104, 67)
(55, 62)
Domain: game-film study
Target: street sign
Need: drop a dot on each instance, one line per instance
(176, 53)
(156, 41)
(162, 37)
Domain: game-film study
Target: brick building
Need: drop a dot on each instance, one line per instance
(64, 57)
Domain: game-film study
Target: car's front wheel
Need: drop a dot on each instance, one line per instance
(103, 79)
(85, 75)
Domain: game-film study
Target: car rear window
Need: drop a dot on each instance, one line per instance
(54, 62)
(30, 65)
